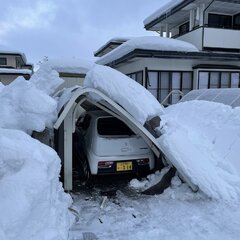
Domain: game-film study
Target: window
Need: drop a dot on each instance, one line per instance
(184, 28)
(109, 126)
(3, 61)
(153, 83)
(215, 79)
(161, 83)
(219, 21)
(236, 21)
(137, 76)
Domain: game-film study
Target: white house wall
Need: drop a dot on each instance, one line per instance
(11, 61)
(221, 38)
(72, 81)
(159, 64)
(194, 37)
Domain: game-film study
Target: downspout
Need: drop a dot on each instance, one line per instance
(204, 11)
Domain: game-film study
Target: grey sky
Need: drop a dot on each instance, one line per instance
(70, 28)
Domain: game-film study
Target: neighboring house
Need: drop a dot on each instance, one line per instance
(12, 65)
(109, 46)
(213, 27)
(73, 71)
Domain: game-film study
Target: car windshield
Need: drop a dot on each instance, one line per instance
(110, 126)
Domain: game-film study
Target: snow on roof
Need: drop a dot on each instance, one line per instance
(15, 71)
(72, 65)
(147, 43)
(162, 10)
(6, 50)
(132, 96)
(113, 40)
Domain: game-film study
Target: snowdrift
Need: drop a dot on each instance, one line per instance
(139, 102)
(33, 204)
(202, 139)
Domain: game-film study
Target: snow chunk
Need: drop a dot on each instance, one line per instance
(33, 203)
(149, 181)
(202, 139)
(147, 43)
(165, 8)
(138, 101)
(46, 79)
(25, 107)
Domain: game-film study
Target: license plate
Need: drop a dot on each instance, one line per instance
(124, 166)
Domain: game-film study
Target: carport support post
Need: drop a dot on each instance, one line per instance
(68, 185)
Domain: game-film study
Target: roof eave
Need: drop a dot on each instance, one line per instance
(174, 55)
(181, 5)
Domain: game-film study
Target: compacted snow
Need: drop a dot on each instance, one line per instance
(140, 103)
(202, 139)
(33, 204)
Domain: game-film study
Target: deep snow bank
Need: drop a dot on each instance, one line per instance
(32, 202)
(138, 101)
(25, 107)
(202, 139)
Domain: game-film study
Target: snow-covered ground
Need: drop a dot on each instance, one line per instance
(176, 214)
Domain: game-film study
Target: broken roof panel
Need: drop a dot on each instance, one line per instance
(227, 96)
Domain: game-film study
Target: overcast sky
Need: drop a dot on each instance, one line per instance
(70, 28)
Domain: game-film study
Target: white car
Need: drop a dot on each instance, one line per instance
(106, 145)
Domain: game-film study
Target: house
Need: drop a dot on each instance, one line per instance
(213, 27)
(12, 65)
(73, 71)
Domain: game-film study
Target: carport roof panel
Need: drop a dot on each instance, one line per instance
(227, 96)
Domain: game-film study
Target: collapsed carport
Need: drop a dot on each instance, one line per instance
(82, 100)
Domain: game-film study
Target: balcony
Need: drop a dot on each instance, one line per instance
(207, 38)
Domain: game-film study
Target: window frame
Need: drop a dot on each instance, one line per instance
(170, 85)
(220, 80)
(4, 59)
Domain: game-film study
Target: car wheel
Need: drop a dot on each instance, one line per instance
(87, 176)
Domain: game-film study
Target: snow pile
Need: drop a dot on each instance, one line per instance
(33, 204)
(202, 140)
(46, 79)
(147, 43)
(149, 181)
(165, 8)
(74, 65)
(139, 102)
(25, 107)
